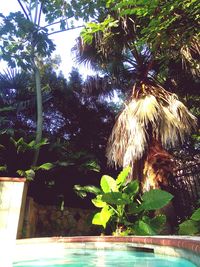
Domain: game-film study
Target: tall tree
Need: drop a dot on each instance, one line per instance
(144, 37)
(25, 37)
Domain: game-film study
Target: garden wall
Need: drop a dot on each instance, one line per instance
(44, 221)
(12, 194)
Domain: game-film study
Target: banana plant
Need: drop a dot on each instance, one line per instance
(121, 205)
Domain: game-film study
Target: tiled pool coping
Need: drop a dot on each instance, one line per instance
(12, 179)
(179, 246)
(185, 242)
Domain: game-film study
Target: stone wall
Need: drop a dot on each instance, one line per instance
(43, 221)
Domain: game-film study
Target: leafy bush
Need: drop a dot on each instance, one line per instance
(122, 206)
(21, 149)
(192, 225)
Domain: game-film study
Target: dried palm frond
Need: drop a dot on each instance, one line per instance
(191, 55)
(152, 113)
(169, 128)
(125, 136)
(158, 167)
(146, 110)
(180, 111)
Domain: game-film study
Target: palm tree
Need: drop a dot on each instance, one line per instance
(152, 120)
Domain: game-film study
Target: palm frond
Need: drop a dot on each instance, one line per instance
(153, 114)
(86, 54)
(169, 129)
(180, 111)
(128, 139)
(190, 54)
(14, 79)
(96, 85)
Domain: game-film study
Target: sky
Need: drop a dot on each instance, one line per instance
(64, 42)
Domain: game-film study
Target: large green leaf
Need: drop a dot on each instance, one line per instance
(108, 184)
(92, 189)
(91, 165)
(98, 202)
(83, 190)
(101, 218)
(132, 188)
(196, 215)
(157, 223)
(121, 178)
(97, 219)
(43, 142)
(134, 208)
(46, 166)
(22, 146)
(28, 174)
(143, 228)
(155, 199)
(189, 227)
(116, 198)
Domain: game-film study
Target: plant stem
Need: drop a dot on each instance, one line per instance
(39, 112)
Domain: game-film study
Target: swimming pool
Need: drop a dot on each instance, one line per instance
(66, 252)
(106, 258)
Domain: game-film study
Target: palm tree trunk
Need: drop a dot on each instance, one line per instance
(158, 168)
(157, 174)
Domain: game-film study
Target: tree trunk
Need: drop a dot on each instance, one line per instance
(158, 168)
(157, 174)
(39, 112)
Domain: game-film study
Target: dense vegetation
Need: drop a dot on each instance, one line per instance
(55, 130)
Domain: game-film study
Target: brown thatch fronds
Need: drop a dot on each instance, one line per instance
(191, 55)
(121, 147)
(152, 113)
(158, 167)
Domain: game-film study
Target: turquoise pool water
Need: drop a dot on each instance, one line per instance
(106, 258)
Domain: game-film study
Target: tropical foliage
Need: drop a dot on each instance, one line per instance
(134, 37)
(25, 39)
(123, 208)
(145, 52)
(75, 147)
(192, 225)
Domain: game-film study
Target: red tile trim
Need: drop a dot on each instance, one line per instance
(188, 244)
(12, 179)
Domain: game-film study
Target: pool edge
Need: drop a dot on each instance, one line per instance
(179, 246)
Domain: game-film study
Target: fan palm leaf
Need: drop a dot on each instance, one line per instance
(190, 54)
(151, 114)
(15, 79)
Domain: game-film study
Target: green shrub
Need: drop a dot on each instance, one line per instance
(121, 205)
(192, 225)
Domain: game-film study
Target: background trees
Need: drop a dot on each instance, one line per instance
(127, 43)
(76, 125)
(25, 39)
